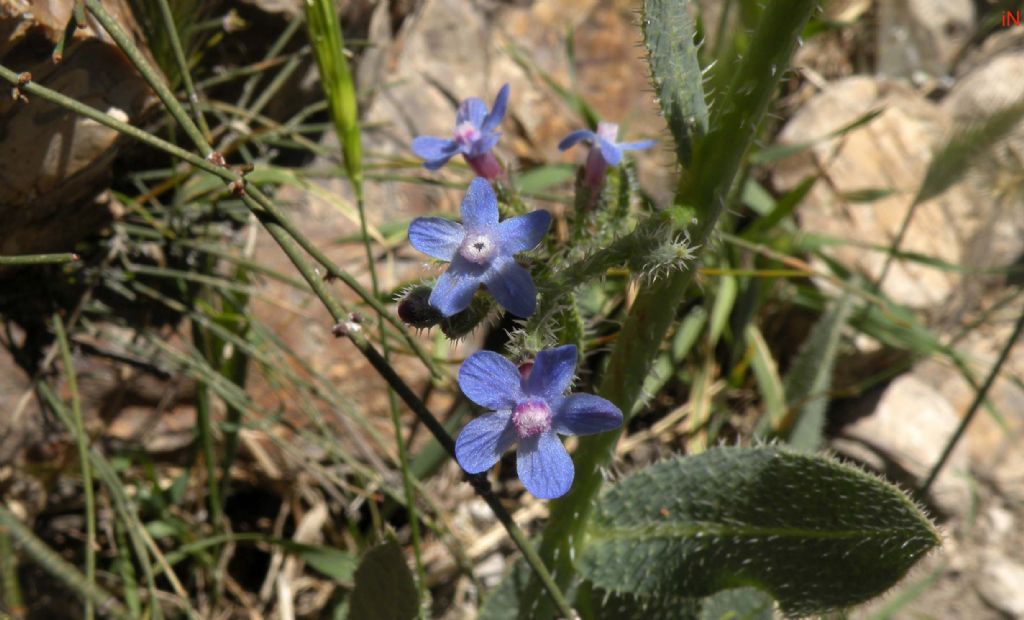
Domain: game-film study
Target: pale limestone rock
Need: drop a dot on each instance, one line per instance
(890, 153)
(922, 36)
(904, 436)
(1001, 584)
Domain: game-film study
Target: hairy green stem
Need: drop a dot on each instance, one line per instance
(78, 430)
(705, 187)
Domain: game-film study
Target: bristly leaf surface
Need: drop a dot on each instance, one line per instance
(675, 72)
(815, 534)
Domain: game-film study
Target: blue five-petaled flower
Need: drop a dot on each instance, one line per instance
(481, 251)
(529, 409)
(605, 149)
(474, 136)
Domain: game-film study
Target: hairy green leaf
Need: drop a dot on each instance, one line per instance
(621, 606)
(815, 534)
(738, 604)
(678, 82)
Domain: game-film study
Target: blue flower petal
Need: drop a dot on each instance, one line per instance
(584, 414)
(436, 237)
(493, 118)
(544, 466)
(485, 143)
(456, 286)
(491, 381)
(511, 286)
(552, 372)
(433, 149)
(482, 441)
(523, 232)
(637, 146)
(479, 206)
(473, 110)
(610, 152)
(580, 134)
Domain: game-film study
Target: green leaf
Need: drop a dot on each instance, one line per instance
(543, 177)
(675, 72)
(766, 373)
(505, 602)
(384, 586)
(809, 379)
(335, 563)
(621, 606)
(328, 45)
(784, 207)
(738, 604)
(815, 534)
(778, 152)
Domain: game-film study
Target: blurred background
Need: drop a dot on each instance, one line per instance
(246, 457)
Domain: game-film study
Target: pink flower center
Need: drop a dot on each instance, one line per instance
(531, 417)
(466, 133)
(478, 248)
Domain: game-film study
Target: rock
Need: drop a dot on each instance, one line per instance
(997, 215)
(891, 153)
(993, 444)
(922, 36)
(56, 161)
(903, 438)
(1001, 584)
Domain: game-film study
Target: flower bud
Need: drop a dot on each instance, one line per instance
(415, 310)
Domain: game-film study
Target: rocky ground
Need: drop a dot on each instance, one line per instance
(922, 65)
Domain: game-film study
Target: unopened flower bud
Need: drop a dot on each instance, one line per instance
(415, 310)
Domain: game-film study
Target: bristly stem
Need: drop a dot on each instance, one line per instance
(979, 398)
(78, 430)
(705, 187)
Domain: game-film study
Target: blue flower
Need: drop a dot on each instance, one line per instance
(605, 151)
(481, 251)
(529, 410)
(474, 137)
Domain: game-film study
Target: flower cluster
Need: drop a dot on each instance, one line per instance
(528, 406)
(529, 409)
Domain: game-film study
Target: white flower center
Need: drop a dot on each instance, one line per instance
(608, 131)
(531, 417)
(466, 133)
(478, 248)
